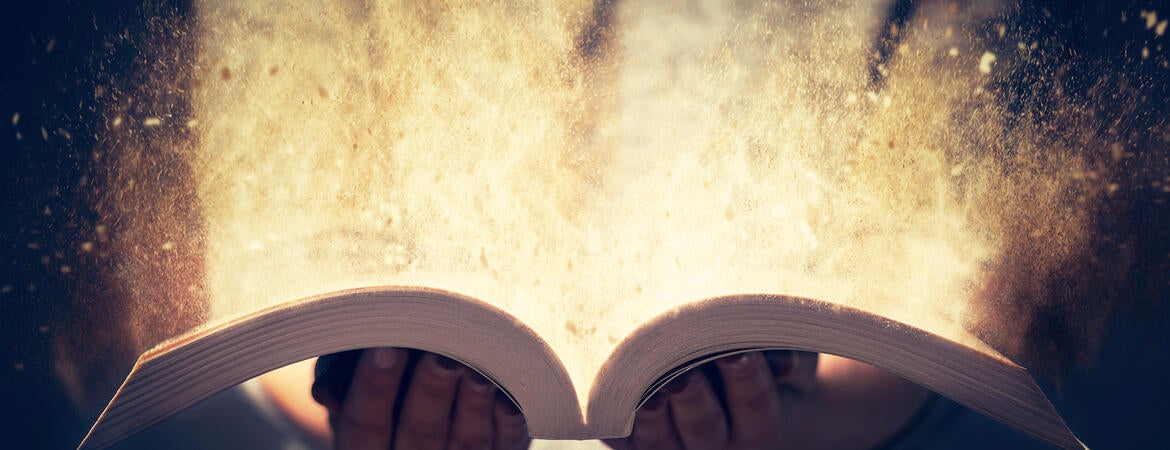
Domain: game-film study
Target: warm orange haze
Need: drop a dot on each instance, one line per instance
(683, 153)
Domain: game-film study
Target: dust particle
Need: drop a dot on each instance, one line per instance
(1151, 18)
(225, 74)
(986, 61)
(273, 69)
(322, 92)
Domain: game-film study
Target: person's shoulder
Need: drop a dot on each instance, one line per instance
(944, 424)
(240, 417)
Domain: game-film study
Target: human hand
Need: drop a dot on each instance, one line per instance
(744, 401)
(396, 398)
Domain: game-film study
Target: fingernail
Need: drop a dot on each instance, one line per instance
(782, 363)
(737, 361)
(509, 406)
(654, 403)
(445, 363)
(480, 382)
(678, 384)
(385, 357)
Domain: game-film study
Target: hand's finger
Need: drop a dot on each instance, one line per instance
(653, 429)
(472, 426)
(511, 429)
(426, 410)
(366, 418)
(332, 375)
(753, 401)
(794, 370)
(698, 416)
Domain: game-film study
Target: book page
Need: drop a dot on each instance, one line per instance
(587, 184)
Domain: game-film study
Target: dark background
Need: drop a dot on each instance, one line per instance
(56, 54)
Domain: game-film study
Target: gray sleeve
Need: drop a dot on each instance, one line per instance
(944, 424)
(242, 417)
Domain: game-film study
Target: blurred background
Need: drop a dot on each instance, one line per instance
(60, 57)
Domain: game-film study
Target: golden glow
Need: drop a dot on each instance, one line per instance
(708, 151)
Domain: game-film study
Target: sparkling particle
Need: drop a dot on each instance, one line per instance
(168, 246)
(1145, 53)
(1151, 18)
(1161, 28)
(15, 118)
(117, 122)
(152, 122)
(986, 61)
(87, 246)
(66, 269)
(954, 51)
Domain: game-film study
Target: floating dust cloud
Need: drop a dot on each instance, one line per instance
(586, 168)
(683, 153)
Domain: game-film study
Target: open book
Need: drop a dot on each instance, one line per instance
(182, 371)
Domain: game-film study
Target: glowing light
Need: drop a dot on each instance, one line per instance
(702, 150)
